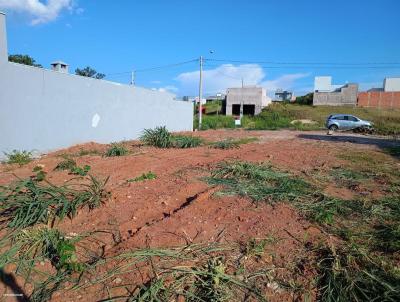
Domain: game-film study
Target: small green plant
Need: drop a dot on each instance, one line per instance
(145, 176)
(40, 174)
(182, 141)
(81, 171)
(159, 137)
(18, 157)
(116, 149)
(66, 164)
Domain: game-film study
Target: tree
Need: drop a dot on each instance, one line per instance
(89, 72)
(305, 99)
(23, 59)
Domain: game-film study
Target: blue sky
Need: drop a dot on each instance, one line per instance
(115, 37)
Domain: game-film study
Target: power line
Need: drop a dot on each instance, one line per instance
(302, 63)
(165, 66)
(152, 68)
(314, 67)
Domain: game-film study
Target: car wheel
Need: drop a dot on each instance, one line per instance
(333, 128)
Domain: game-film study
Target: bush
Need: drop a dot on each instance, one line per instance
(116, 149)
(159, 137)
(215, 122)
(182, 141)
(18, 157)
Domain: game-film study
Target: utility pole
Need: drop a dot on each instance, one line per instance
(200, 92)
(133, 78)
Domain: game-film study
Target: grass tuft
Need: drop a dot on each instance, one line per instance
(116, 149)
(159, 137)
(257, 181)
(184, 141)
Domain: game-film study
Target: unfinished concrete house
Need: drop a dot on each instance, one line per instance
(246, 100)
(334, 95)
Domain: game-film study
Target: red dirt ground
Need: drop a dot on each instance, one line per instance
(179, 208)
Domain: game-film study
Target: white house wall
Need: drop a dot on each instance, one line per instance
(45, 110)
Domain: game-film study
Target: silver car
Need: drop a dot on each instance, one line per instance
(344, 122)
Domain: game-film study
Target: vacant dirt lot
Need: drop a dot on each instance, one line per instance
(179, 207)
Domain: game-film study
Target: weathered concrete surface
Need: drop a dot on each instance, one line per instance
(347, 95)
(248, 96)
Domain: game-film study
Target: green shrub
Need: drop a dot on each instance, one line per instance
(159, 137)
(182, 141)
(116, 149)
(18, 157)
(145, 176)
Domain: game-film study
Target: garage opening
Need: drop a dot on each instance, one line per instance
(249, 109)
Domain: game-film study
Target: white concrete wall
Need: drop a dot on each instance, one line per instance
(391, 84)
(44, 110)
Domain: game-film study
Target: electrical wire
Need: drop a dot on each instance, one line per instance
(313, 67)
(302, 63)
(152, 68)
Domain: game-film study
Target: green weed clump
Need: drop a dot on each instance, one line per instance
(184, 141)
(159, 137)
(116, 149)
(145, 176)
(66, 164)
(40, 244)
(18, 157)
(257, 181)
(28, 202)
(81, 171)
(225, 144)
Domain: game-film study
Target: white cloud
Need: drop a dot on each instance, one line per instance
(283, 82)
(169, 88)
(41, 12)
(228, 75)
